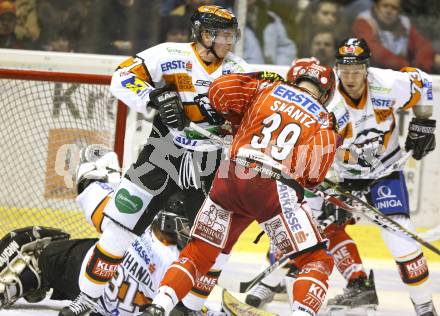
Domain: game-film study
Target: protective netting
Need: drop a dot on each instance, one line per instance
(45, 124)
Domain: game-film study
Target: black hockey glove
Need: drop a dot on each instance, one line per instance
(421, 137)
(170, 107)
(341, 216)
(211, 115)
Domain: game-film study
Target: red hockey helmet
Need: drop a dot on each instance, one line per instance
(322, 76)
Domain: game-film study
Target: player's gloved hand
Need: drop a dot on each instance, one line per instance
(170, 107)
(421, 137)
(211, 115)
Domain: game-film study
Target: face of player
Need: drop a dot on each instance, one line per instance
(223, 41)
(353, 79)
(387, 11)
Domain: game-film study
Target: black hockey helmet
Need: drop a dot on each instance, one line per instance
(211, 18)
(353, 51)
(172, 220)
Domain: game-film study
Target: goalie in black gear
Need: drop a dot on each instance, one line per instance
(20, 274)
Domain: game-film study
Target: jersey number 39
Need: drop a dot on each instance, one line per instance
(284, 138)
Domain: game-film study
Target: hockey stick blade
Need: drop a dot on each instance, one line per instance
(234, 307)
(373, 214)
(246, 286)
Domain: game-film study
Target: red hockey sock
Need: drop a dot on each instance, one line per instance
(345, 254)
(310, 286)
(194, 260)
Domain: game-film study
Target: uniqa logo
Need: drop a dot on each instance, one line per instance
(384, 192)
(127, 203)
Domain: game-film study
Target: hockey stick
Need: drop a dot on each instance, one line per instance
(371, 213)
(208, 134)
(246, 286)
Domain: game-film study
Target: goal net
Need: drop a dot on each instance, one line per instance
(47, 118)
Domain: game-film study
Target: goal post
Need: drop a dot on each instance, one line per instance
(47, 118)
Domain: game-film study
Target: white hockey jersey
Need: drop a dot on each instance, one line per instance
(370, 129)
(178, 64)
(138, 276)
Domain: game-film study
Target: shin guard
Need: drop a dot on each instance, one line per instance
(195, 259)
(346, 255)
(204, 284)
(310, 286)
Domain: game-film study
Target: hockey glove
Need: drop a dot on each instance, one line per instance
(211, 115)
(421, 137)
(170, 107)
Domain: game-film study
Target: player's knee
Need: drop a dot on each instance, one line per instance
(116, 239)
(319, 258)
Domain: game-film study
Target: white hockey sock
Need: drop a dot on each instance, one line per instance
(114, 242)
(166, 298)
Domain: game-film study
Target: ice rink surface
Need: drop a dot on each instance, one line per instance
(393, 298)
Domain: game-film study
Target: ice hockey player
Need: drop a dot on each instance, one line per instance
(285, 141)
(365, 107)
(344, 250)
(173, 78)
(57, 265)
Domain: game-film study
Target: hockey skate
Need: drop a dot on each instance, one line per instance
(359, 294)
(153, 310)
(82, 305)
(262, 294)
(182, 310)
(425, 309)
(97, 163)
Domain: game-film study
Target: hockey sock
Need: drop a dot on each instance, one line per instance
(346, 255)
(411, 263)
(310, 286)
(101, 261)
(204, 284)
(414, 273)
(196, 258)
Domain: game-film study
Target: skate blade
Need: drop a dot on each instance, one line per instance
(342, 310)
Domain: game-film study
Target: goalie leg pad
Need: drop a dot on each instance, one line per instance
(19, 272)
